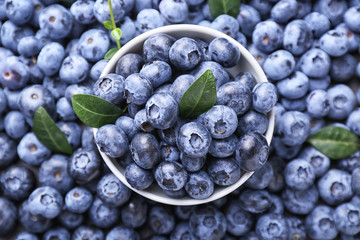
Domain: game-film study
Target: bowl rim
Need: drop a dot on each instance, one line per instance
(179, 29)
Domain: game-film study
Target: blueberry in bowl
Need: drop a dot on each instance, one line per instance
(191, 156)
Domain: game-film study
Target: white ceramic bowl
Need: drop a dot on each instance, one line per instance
(247, 63)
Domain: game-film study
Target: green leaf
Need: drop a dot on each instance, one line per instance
(108, 25)
(110, 53)
(218, 7)
(199, 97)
(94, 111)
(116, 33)
(335, 142)
(48, 133)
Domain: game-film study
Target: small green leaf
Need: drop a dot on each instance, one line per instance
(48, 133)
(116, 33)
(229, 7)
(335, 142)
(108, 25)
(199, 97)
(110, 53)
(94, 111)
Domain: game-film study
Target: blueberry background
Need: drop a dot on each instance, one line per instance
(53, 49)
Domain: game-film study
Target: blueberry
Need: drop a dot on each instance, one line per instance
(14, 74)
(320, 223)
(93, 44)
(57, 233)
(76, 89)
(347, 218)
(138, 89)
(50, 58)
(128, 30)
(248, 17)
(103, 215)
(279, 64)
(128, 64)
(252, 121)
(112, 191)
(315, 63)
(352, 18)
(122, 233)
(70, 220)
(148, 19)
(170, 175)
(182, 231)
(185, 53)
(87, 232)
(335, 186)
(264, 97)
(161, 220)
(101, 10)
(224, 147)
(7, 150)
(31, 150)
(78, 200)
(26, 236)
(194, 139)
(34, 223)
(319, 162)
(157, 72)
(97, 68)
(170, 135)
(317, 103)
(157, 47)
(29, 46)
(127, 125)
(334, 10)
(299, 174)
(84, 165)
(65, 110)
(342, 101)
(184, 212)
(180, 85)
(11, 34)
(277, 205)
(221, 121)
(318, 22)
(199, 185)
(74, 69)
(224, 171)
(161, 111)
(226, 24)
(267, 36)
(298, 104)
(192, 164)
(300, 201)
(15, 124)
(255, 201)
(112, 140)
(343, 68)
(295, 128)
(145, 150)
(352, 37)
(134, 212)
(169, 152)
(141, 122)
(19, 11)
(207, 222)
(224, 52)
(298, 37)
(239, 222)
(283, 11)
(261, 178)
(219, 72)
(334, 43)
(45, 201)
(252, 151)
(174, 11)
(82, 11)
(296, 228)
(271, 226)
(264, 7)
(8, 212)
(53, 172)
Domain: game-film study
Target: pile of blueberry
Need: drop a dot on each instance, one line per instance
(53, 49)
(185, 154)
